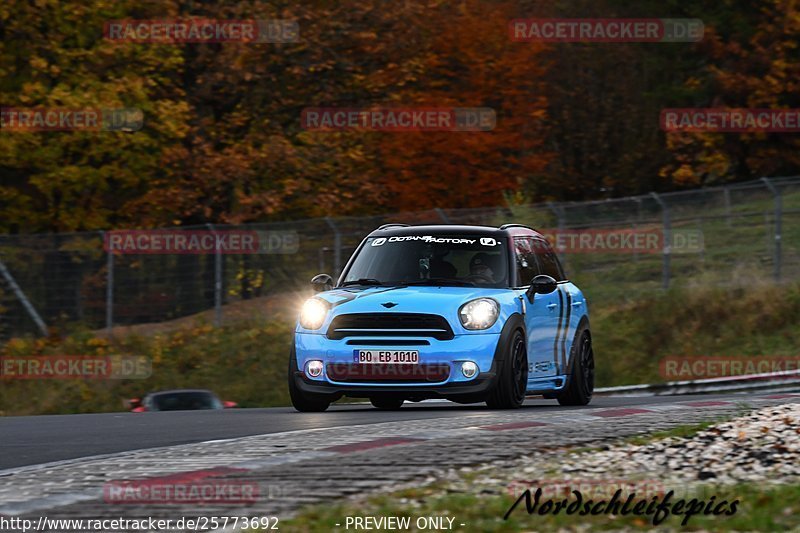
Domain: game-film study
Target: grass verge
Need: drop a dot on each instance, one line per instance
(246, 360)
(243, 362)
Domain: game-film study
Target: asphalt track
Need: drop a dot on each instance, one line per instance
(33, 440)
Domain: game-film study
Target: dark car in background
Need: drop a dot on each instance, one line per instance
(179, 400)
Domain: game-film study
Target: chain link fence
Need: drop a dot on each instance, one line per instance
(56, 282)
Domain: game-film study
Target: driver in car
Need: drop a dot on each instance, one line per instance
(481, 265)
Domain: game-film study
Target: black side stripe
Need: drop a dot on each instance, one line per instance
(566, 329)
(558, 330)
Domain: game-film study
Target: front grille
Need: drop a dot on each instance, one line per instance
(388, 373)
(390, 325)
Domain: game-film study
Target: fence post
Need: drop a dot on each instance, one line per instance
(109, 290)
(778, 227)
(559, 212)
(702, 252)
(667, 230)
(23, 299)
(217, 281)
(337, 248)
(636, 223)
(727, 196)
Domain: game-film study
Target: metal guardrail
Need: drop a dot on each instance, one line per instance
(789, 379)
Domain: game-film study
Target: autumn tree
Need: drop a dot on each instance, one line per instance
(470, 62)
(53, 55)
(752, 64)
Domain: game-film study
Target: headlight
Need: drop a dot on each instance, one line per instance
(479, 314)
(313, 313)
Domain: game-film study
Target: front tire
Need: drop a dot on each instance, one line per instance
(512, 382)
(303, 401)
(386, 403)
(580, 385)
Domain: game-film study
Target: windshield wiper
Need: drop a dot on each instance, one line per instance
(363, 281)
(442, 281)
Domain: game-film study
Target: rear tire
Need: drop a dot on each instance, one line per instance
(387, 404)
(580, 384)
(512, 377)
(303, 401)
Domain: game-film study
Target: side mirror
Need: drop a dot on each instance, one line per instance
(321, 282)
(541, 284)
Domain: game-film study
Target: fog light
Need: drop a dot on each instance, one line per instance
(469, 369)
(314, 368)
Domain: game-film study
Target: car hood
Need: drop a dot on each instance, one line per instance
(405, 299)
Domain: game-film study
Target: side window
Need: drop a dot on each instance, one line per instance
(527, 264)
(549, 261)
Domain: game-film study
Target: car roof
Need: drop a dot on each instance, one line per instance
(507, 230)
(180, 391)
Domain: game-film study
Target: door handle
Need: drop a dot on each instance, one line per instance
(576, 304)
(552, 306)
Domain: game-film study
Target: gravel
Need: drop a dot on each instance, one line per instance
(761, 447)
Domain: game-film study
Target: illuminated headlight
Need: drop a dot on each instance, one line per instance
(314, 368)
(479, 314)
(313, 313)
(469, 369)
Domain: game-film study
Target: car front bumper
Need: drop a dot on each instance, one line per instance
(478, 386)
(338, 354)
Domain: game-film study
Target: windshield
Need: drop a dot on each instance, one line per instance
(457, 260)
(185, 401)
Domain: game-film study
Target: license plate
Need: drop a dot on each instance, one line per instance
(407, 357)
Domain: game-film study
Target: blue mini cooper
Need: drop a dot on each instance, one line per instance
(467, 313)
